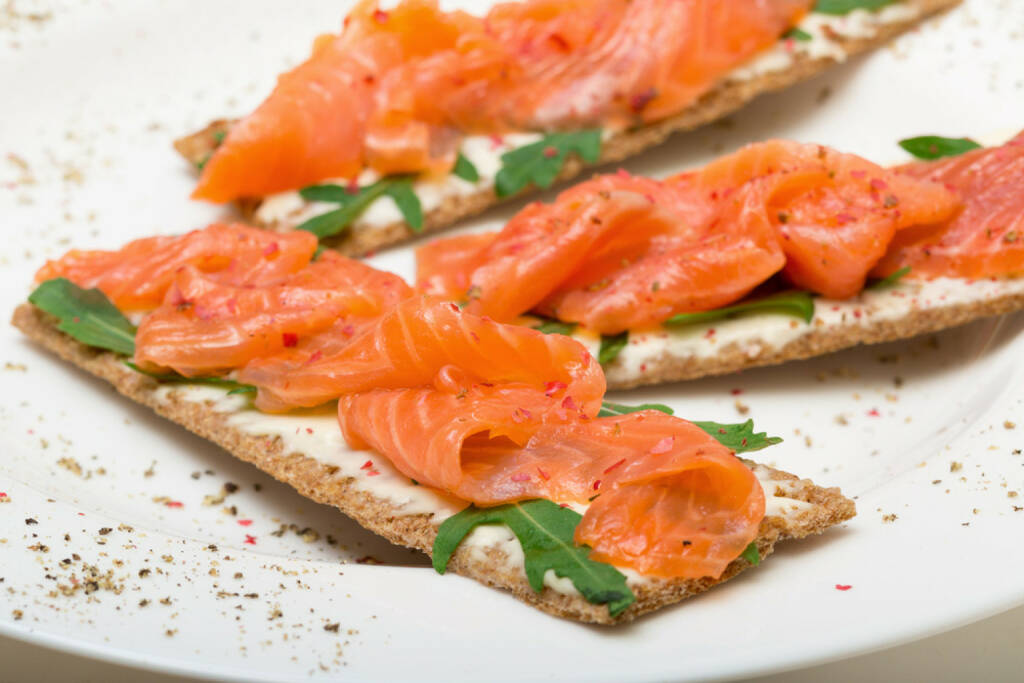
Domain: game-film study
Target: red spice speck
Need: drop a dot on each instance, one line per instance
(2, 494)
(550, 152)
(245, 522)
(878, 184)
(380, 16)
(663, 446)
(874, 413)
(543, 474)
(640, 100)
(455, 307)
(309, 430)
(568, 403)
(563, 505)
(250, 539)
(552, 388)
(843, 587)
(736, 392)
(597, 484)
(710, 333)
(174, 504)
(367, 465)
(289, 339)
(522, 476)
(612, 467)
(271, 249)
(372, 473)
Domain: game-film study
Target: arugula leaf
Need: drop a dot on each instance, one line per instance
(798, 34)
(889, 280)
(751, 554)
(847, 6)
(540, 163)
(929, 147)
(465, 169)
(739, 437)
(236, 387)
(796, 303)
(86, 314)
(611, 347)
(545, 532)
(408, 203)
(609, 409)
(352, 204)
(549, 326)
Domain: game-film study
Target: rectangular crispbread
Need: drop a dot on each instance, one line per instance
(729, 96)
(909, 309)
(813, 509)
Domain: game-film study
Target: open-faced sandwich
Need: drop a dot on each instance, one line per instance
(422, 117)
(487, 445)
(776, 252)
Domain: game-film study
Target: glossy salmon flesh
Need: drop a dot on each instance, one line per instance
(622, 252)
(395, 91)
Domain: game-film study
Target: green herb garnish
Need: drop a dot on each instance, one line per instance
(540, 163)
(549, 326)
(352, 204)
(796, 303)
(609, 409)
(798, 34)
(611, 347)
(86, 314)
(751, 554)
(739, 437)
(218, 137)
(930, 147)
(173, 377)
(545, 531)
(465, 169)
(847, 6)
(889, 280)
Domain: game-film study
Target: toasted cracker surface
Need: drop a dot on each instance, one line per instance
(325, 484)
(721, 101)
(818, 340)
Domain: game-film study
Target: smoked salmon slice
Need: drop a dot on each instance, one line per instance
(621, 252)
(396, 90)
(206, 327)
(415, 341)
(667, 499)
(136, 277)
(986, 239)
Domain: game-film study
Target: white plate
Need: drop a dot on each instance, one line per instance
(93, 96)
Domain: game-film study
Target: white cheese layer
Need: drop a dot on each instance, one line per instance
(759, 334)
(317, 435)
(286, 210)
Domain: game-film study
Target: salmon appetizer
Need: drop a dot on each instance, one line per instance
(488, 413)
(621, 253)
(396, 90)
(412, 117)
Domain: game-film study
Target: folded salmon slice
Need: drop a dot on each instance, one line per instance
(412, 343)
(205, 327)
(396, 89)
(986, 239)
(665, 498)
(136, 277)
(621, 252)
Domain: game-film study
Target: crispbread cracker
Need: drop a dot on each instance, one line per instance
(817, 339)
(726, 98)
(324, 484)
